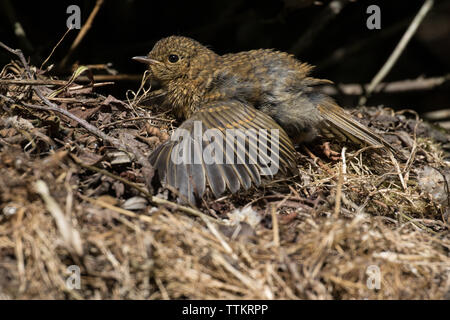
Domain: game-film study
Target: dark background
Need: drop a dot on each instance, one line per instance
(343, 49)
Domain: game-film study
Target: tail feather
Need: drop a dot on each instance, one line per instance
(346, 125)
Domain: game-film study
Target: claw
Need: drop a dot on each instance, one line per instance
(331, 154)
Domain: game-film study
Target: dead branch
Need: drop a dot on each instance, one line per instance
(82, 33)
(398, 49)
(389, 87)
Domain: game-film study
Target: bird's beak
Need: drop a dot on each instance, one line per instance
(145, 60)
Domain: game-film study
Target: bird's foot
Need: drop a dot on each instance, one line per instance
(330, 154)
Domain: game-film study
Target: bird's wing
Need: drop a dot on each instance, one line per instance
(224, 145)
(343, 124)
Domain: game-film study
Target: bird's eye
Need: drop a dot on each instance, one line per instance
(173, 58)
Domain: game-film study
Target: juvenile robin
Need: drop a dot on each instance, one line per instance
(251, 90)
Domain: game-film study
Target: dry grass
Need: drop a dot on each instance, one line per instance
(292, 244)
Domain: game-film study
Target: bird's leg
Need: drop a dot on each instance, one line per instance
(329, 153)
(317, 160)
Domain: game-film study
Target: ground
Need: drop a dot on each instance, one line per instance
(362, 226)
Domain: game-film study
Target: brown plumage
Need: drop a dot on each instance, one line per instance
(258, 89)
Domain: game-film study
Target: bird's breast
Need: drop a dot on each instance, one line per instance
(184, 98)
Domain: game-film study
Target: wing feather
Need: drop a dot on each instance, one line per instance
(191, 178)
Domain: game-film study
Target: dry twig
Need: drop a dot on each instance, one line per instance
(398, 49)
(82, 33)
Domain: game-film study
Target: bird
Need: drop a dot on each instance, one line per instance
(251, 92)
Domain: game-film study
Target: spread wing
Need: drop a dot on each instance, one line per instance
(226, 145)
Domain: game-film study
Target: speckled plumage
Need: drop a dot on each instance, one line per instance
(253, 89)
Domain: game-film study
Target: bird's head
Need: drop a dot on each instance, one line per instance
(175, 57)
